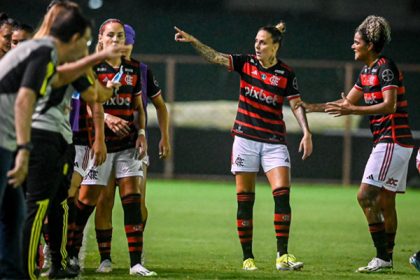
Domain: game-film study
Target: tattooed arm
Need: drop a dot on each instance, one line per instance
(205, 51)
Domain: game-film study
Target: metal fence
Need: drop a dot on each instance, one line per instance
(341, 74)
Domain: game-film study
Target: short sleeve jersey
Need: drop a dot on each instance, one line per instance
(31, 65)
(149, 85)
(52, 111)
(122, 103)
(262, 92)
(373, 82)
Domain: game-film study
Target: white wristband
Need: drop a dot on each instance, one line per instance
(105, 116)
(141, 132)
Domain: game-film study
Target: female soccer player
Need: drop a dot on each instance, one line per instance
(6, 30)
(103, 215)
(21, 33)
(125, 144)
(380, 83)
(260, 133)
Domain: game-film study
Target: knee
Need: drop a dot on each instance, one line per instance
(364, 198)
(89, 197)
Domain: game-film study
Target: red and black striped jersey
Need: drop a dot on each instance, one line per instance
(122, 103)
(262, 92)
(373, 81)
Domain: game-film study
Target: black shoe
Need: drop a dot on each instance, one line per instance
(73, 264)
(61, 273)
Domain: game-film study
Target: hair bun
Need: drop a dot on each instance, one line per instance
(281, 26)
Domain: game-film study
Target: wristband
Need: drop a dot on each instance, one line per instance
(105, 116)
(28, 146)
(141, 131)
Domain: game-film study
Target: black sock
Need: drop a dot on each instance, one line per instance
(83, 213)
(377, 231)
(282, 218)
(244, 222)
(133, 226)
(390, 237)
(104, 238)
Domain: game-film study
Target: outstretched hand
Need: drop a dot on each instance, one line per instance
(113, 51)
(340, 107)
(182, 36)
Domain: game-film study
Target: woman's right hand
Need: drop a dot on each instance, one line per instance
(117, 125)
(182, 36)
(113, 51)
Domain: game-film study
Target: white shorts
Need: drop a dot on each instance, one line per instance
(123, 164)
(247, 155)
(82, 162)
(145, 160)
(387, 167)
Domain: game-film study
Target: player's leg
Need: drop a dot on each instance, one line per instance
(369, 200)
(275, 160)
(128, 173)
(245, 165)
(386, 169)
(389, 212)
(103, 224)
(90, 189)
(245, 194)
(144, 210)
(82, 164)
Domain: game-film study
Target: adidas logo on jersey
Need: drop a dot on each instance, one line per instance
(370, 177)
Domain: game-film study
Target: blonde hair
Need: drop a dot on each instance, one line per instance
(375, 30)
(281, 26)
(52, 13)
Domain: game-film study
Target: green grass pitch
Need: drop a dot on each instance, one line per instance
(191, 234)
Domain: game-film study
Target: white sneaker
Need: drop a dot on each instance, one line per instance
(47, 257)
(376, 265)
(105, 266)
(140, 270)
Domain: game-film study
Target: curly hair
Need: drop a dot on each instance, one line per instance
(375, 30)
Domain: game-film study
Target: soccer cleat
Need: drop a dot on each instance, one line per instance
(47, 257)
(140, 270)
(415, 261)
(249, 264)
(287, 262)
(61, 273)
(105, 266)
(376, 265)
